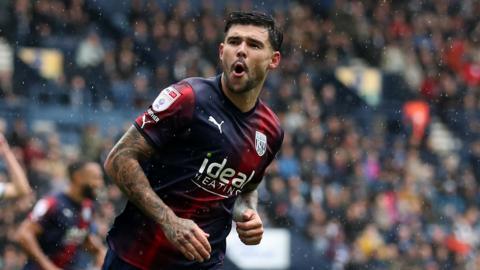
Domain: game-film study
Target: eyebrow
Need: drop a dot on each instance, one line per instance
(249, 39)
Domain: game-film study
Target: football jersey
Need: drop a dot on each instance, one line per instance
(66, 225)
(208, 152)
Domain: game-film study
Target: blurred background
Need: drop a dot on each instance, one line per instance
(380, 166)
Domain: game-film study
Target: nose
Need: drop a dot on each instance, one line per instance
(242, 49)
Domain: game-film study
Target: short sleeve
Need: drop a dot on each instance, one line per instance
(44, 211)
(168, 116)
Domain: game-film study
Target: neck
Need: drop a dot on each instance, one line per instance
(243, 101)
(74, 194)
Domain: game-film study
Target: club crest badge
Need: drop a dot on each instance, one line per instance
(165, 99)
(86, 214)
(260, 143)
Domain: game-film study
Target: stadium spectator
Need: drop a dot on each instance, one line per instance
(424, 49)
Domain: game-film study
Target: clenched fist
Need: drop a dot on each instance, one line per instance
(250, 228)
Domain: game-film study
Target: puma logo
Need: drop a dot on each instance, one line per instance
(146, 121)
(211, 119)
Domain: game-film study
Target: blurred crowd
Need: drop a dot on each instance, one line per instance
(362, 194)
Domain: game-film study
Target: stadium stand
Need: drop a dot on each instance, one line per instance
(361, 182)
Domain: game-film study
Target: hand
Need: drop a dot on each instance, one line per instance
(187, 237)
(250, 229)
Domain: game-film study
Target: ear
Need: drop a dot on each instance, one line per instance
(220, 51)
(275, 60)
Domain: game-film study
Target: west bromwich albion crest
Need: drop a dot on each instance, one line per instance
(260, 143)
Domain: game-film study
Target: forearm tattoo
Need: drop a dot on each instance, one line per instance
(244, 202)
(250, 199)
(130, 177)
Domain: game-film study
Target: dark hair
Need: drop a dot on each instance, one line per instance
(275, 36)
(76, 166)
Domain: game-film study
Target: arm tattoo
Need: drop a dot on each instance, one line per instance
(250, 199)
(243, 202)
(123, 166)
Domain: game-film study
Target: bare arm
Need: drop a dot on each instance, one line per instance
(26, 236)
(123, 166)
(248, 200)
(94, 246)
(249, 225)
(19, 184)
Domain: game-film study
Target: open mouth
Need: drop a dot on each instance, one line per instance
(239, 69)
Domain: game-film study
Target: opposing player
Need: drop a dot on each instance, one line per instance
(193, 160)
(18, 185)
(59, 225)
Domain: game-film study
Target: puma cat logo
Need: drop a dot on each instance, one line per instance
(211, 119)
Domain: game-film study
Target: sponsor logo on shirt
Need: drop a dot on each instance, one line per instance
(221, 180)
(75, 236)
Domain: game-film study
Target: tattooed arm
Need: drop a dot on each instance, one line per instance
(248, 200)
(123, 167)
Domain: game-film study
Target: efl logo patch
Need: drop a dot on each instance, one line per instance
(260, 143)
(165, 99)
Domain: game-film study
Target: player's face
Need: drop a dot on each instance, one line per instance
(246, 56)
(92, 180)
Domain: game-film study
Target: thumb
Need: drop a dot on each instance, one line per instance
(248, 214)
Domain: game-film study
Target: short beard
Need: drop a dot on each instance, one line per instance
(249, 86)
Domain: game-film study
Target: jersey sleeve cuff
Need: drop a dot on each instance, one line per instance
(145, 135)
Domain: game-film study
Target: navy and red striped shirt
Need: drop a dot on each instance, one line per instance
(66, 225)
(208, 152)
